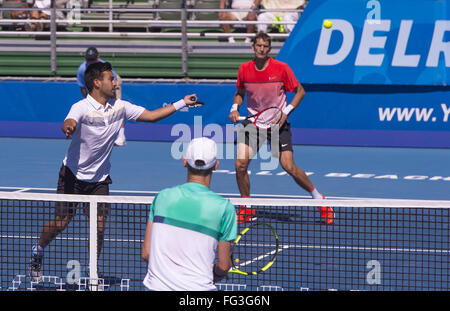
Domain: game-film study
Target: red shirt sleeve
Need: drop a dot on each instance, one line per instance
(289, 79)
(240, 78)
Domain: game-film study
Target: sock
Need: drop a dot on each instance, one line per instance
(122, 131)
(37, 250)
(316, 194)
(245, 197)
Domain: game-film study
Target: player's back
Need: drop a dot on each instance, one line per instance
(188, 221)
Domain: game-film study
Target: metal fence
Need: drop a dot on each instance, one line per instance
(110, 18)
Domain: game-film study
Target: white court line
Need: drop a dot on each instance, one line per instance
(23, 190)
(282, 246)
(354, 248)
(374, 249)
(68, 238)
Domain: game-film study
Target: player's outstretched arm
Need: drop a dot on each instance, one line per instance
(69, 127)
(164, 112)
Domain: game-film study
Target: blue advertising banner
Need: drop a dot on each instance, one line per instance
(371, 115)
(383, 42)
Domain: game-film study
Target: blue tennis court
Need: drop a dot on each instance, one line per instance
(411, 244)
(401, 173)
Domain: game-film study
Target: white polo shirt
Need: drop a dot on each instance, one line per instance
(93, 140)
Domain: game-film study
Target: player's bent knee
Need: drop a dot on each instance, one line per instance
(60, 223)
(241, 165)
(241, 169)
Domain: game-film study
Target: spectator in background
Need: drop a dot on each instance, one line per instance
(16, 14)
(279, 16)
(252, 5)
(39, 14)
(44, 13)
(91, 57)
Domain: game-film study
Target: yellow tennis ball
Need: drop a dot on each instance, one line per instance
(236, 260)
(327, 24)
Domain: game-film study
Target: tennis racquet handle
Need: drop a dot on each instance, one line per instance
(197, 103)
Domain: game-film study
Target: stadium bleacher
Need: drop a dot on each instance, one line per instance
(142, 38)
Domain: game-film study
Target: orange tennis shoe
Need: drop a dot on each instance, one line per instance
(327, 213)
(245, 214)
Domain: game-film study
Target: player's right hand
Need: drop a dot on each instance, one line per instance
(234, 116)
(190, 99)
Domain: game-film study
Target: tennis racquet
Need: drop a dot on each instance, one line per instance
(266, 118)
(254, 250)
(196, 104)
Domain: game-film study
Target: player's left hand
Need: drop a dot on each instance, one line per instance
(190, 99)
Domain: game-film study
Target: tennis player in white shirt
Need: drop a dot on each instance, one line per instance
(93, 124)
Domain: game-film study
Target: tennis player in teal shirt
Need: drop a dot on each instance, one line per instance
(187, 226)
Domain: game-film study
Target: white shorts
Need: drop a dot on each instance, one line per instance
(241, 4)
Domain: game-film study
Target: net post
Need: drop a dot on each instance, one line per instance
(93, 229)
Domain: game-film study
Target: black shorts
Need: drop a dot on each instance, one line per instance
(254, 138)
(69, 184)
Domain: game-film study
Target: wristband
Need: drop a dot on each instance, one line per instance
(179, 104)
(234, 107)
(287, 110)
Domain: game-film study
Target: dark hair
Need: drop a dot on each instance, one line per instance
(198, 172)
(263, 36)
(95, 71)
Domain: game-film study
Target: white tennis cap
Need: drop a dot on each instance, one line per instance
(201, 150)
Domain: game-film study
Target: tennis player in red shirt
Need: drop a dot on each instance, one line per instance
(266, 81)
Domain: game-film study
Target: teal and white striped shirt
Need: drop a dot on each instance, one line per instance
(188, 221)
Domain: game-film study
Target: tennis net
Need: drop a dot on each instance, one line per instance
(374, 244)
